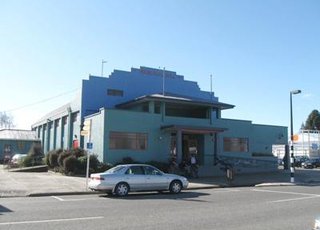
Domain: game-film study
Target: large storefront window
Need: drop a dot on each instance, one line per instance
(130, 141)
(235, 144)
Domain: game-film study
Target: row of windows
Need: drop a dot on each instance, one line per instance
(132, 141)
(235, 144)
(115, 92)
(139, 141)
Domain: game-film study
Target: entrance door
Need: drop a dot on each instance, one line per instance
(193, 144)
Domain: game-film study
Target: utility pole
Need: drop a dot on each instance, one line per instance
(211, 86)
(102, 62)
(163, 76)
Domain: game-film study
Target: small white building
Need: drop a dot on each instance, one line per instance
(306, 143)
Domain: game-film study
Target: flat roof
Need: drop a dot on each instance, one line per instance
(175, 99)
(17, 134)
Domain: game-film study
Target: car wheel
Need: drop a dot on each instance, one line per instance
(121, 189)
(175, 187)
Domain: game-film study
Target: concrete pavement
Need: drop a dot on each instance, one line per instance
(50, 183)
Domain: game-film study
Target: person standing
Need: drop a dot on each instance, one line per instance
(194, 166)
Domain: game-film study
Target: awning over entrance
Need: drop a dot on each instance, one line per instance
(192, 129)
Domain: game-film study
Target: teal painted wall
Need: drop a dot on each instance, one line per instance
(17, 146)
(129, 121)
(235, 129)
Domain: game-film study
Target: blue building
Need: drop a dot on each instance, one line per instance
(14, 141)
(151, 114)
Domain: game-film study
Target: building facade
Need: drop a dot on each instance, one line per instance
(155, 115)
(14, 141)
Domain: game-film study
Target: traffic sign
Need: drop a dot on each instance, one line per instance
(84, 133)
(86, 128)
(89, 145)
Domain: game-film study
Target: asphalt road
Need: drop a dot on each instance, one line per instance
(286, 207)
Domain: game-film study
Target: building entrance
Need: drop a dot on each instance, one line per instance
(191, 144)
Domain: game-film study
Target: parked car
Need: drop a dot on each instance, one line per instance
(122, 179)
(17, 158)
(317, 224)
(298, 160)
(311, 163)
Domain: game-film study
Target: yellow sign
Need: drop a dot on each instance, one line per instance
(84, 133)
(87, 122)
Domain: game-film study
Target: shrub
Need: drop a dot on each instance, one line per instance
(128, 160)
(36, 151)
(94, 162)
(82, 165)
(78, 152)
(29, 161)
(160, 165)
(61, 158)
(53, 160)
(102, 167)
(95, 165)
(46, 159)
(26, 162)
(71, 165)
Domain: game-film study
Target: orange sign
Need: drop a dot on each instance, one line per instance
(295, 137)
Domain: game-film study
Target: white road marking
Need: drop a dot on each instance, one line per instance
(67, 200)
(306, 195)
(53, 220)
(294, 199)
(293, 193)
(58, 198)
(225, 190)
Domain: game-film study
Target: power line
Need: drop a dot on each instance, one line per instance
(41, 101)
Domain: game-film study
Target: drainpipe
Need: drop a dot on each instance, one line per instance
(215, 148)
(163, 110)
(54, 134)
(43, 137)
(179, 145)
(48, 135)
(69, 135)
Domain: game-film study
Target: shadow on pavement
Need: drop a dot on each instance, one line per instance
(4, 209)
(185, 195)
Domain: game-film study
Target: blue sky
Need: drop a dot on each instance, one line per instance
(257, 51)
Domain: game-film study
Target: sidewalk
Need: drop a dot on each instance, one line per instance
(48, 183)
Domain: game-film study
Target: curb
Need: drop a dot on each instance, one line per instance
(62, 193)
(189, 188)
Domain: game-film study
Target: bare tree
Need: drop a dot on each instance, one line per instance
(6, 121)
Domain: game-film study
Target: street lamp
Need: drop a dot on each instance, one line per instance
(291, 135)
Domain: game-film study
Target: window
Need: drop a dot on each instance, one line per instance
(57, 123)
(115, 92)
(235, 144)
(21, 145)
(64, 120)
(74, 117)
(135, 170)
(132, 141)
(157, 107)
(152, 171)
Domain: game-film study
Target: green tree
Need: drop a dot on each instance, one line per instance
(313, 121)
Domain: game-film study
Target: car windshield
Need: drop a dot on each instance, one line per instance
(115, 170)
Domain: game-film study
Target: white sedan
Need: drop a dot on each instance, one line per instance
(136, 177)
